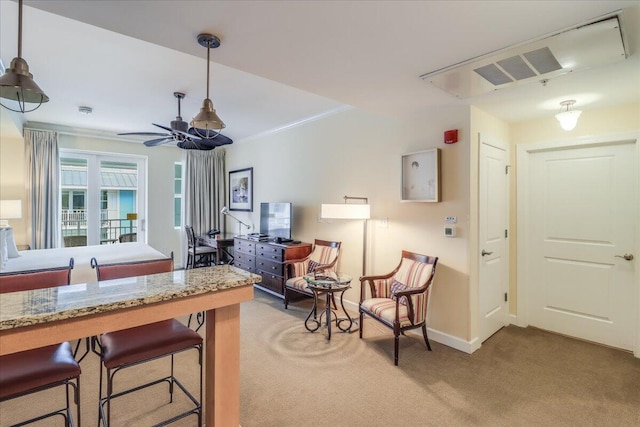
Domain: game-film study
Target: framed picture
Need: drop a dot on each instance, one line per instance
(241, 190)
(421, 176)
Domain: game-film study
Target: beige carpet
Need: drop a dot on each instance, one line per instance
(290, 377)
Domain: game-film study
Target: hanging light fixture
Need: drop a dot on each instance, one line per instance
(207, 124)
(568, 117)
(17, 82)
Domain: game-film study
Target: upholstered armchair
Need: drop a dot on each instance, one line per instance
(399, 299)
(323, 257)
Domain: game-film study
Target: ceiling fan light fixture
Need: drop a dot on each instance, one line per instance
(568, 117)
(17, 82)
(206, 124)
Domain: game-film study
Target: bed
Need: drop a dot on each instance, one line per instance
(82, 272)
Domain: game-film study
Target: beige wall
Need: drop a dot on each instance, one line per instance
(358, 154)
(12, 165)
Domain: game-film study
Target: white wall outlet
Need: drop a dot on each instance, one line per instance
(450, 219)
(383, 223)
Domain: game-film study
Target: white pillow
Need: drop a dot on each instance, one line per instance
(12, 249)
(4, 255)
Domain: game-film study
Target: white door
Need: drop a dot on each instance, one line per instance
(583, 219)
(493, 229)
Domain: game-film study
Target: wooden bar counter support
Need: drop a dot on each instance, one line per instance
(33, 319)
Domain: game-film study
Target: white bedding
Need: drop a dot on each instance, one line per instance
(82, 271)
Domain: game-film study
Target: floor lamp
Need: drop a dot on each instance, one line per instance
(351, 211)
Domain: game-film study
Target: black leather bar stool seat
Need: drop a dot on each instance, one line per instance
(40, 369)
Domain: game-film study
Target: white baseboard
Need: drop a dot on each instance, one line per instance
(437, 336)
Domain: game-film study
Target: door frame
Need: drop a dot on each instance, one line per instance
(523, 152)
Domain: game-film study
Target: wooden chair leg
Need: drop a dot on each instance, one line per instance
(395, 349)
(361, 323)
(424, 334)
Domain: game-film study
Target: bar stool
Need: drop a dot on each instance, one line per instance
(130, 347)
(42, 368)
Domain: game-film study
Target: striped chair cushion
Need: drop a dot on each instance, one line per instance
(324, 254)
(299, 284)
(385, 310)
(412, 274)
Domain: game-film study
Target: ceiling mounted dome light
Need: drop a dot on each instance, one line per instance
(17, 82)
(568, 117)
(207, 124)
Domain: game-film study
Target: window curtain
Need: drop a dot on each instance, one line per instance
(43, 182)
(204, 189)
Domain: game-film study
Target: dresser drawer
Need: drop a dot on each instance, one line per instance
(272, 267)
(244, 266)
(272, 282)
(270, 252)
(244, 246)
(244, 259)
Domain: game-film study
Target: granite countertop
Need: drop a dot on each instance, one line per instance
(19, 309)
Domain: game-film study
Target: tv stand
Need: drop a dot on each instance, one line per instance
(268, 260)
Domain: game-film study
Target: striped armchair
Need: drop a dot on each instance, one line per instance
(399, 299)
(323, 257)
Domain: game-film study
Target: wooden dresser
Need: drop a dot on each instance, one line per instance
(267, 259)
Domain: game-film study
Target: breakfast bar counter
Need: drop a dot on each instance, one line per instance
(32, 319)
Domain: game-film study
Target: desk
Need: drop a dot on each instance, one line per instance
(33, 319)
(330, 284)
(220, 242)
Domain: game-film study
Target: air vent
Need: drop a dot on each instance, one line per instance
(586, 46)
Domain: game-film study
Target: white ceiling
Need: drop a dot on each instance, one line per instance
(282, 62)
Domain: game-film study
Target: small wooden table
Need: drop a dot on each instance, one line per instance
(32, 319)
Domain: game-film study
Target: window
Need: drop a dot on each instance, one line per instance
(102, 196)
(177, 195)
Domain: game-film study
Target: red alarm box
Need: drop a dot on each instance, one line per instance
(450, 136)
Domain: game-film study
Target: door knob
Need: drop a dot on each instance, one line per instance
(483, 253)
(628, 257)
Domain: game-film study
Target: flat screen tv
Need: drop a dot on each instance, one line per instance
(275, 220)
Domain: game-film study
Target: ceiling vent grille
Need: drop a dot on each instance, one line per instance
(586, 46)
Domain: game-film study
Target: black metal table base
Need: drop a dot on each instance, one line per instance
(313, 324)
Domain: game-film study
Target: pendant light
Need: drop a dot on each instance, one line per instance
(207, 124)
(568, 117)
(17, 82)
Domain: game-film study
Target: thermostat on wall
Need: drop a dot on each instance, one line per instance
(449, 231)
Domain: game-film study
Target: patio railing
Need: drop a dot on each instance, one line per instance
(74, 223)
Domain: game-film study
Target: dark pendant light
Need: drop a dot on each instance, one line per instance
(17, 82)
(206, 124)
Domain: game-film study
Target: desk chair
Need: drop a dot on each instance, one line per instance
(399, 299)
(130, 347)
(42, 368)
(198, 255)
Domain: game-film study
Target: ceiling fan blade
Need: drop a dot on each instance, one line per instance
(163, 127)
(159, 141)
(144, 133)
(189, 144)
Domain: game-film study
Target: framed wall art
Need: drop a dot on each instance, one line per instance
(421, 176)
(241, 190)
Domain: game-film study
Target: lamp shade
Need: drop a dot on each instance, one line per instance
(345, 211)
(10, 209)
(568, 119)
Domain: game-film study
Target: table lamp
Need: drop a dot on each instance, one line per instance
(10, 209)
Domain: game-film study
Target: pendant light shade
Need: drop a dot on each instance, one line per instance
(17, 82)
(206, 124)
(568, 118)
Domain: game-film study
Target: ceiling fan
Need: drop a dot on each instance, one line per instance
(182, 134)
